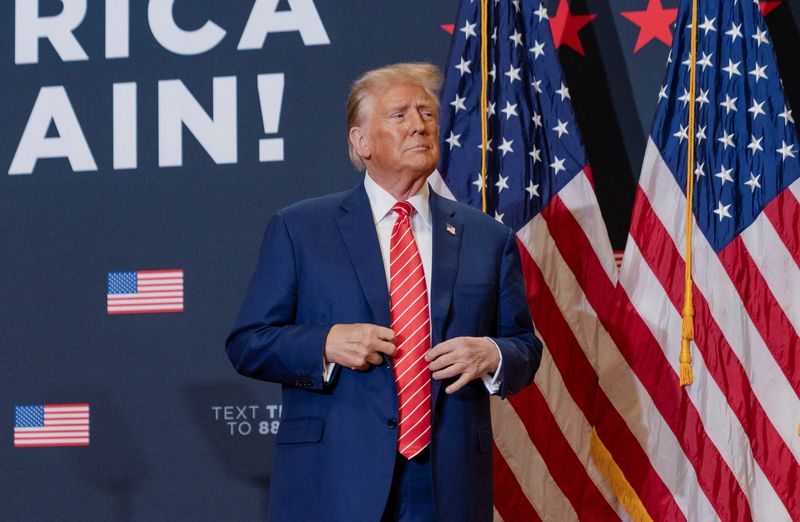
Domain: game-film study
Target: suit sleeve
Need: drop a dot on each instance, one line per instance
(265, 342)
(520, 347)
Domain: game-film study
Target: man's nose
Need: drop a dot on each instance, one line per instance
(415, 123)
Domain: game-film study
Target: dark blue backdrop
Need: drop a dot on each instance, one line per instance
(175, 433)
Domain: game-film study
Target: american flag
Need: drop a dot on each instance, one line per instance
(538, 183)
(145, 291)
(51, 425)
(727, 446)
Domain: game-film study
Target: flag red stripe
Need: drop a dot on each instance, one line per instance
(144, 310)
(48, 444)
(581, 381)
(563, 464)
(764, 311)
(509, 499)
(784, 214)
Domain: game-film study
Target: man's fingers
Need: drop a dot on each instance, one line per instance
(460, 382)
(375, 358)
(449, 371)
(440, 349)
(385, 334)
(385, 347)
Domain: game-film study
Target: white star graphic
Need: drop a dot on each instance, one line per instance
(537, 85)
(760, 36)
(753, 182)
(537, 49)
(786, 149)
(563, 92)
(757, 108)
(684, 97)
(488, 145)
(494, 33)
(458, 103)
(490, 109)
(732, 68)
(724, 174)
(722, 211)
(453, 140)
(703, 97)
(493, 72)
(536, 154)
(516, 5)
(468, 29)
(463, 67)
(558, 164)
(729, 104)
(755, 144)
(707, 25)
(758, 72)
(537, 119)
(479, 182)
(516, 38)
(513, 74)
(510, 110)
(502, 183)
(786, 115)
(561, 128)
(734, 32)
(726, 140)
(498, 216)
(699, 171)
(541, 12)
(682, 133)
(506, 146)
(662, 94)
(705, 61)
(532, 189)
(701, 133)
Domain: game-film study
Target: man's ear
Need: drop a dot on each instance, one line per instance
(360, 143)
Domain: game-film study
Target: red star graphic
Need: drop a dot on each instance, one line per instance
(766, 6)
(565, 27)
(448, 27)
(653, 22)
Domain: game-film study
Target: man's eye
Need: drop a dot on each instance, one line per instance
(427, 115)
(397, 115)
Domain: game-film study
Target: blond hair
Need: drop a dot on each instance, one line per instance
(425, 75)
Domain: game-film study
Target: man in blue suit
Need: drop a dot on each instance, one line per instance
(324, 317)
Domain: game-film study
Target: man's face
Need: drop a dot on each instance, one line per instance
(401, 133)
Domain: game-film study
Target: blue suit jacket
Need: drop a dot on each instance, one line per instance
(321, 265)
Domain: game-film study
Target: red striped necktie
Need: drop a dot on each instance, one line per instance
(408, 300)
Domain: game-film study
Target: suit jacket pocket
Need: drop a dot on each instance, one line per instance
(485, 439)
(477, 289)
(300, 430)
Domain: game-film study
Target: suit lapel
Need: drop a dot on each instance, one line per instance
(446, 231)
(357, 227)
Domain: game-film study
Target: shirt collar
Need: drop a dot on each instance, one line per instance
(382, 202)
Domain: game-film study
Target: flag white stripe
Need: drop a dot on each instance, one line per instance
(776, 265)
(64, 409)
(145, 307)
(531, 473)
(720, 423)
(54, 434)
(773, 391)
(144, 300)
(161, 275)
(25, 442)
(47, 429)
(149, 295)
(576, 195)
(795, 188)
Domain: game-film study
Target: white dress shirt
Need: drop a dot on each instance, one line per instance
(384, 217)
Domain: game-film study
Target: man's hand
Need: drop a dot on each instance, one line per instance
(357, 346)
(468, 357)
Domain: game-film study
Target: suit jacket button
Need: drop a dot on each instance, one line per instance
(392, 424)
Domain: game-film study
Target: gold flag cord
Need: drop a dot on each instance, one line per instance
(484, 89)
(687, 328)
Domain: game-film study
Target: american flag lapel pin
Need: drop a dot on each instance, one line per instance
(451, 229)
